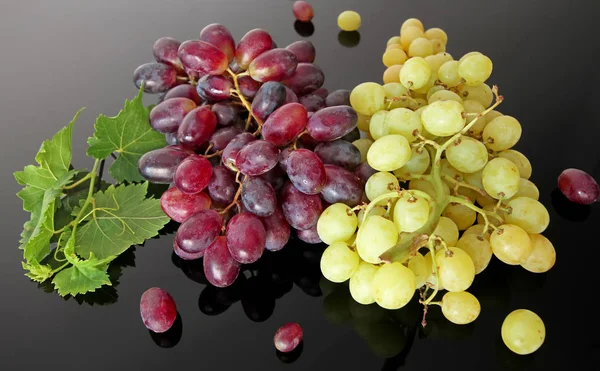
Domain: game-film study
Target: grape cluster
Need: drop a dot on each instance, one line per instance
(257, 147)
(446, 189)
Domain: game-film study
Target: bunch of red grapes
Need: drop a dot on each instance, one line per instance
(257, 148)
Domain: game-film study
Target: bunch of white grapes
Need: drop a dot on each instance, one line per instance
(447, 193)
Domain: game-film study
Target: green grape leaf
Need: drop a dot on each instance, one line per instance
(37, 272)
(122, 217)
(130, 135)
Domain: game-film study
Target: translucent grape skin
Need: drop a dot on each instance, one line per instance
(186, 255)
(197, 127)
(193, 174)
(248, 86)
(332, 123)
(363, 172)
(157, 77)
(303, 11)
(220, 268)
(253, 43)
(307, 78)
(340, 97)
(214, 88)
(578, 186)
(233, 148)
(227, 113)
(199, 231)
(273, 65)
(342, 186)
(180, 206)
(158, 166)
(202, 57)
(221, 138)
(158, 310)
(166, 116)
(219, 36)
(300, 210)
(222, 186)
(165, 51)
(246, 237)
(270, 96)
(340, 152)
(277, 230)
(306, 171)
(258, 196)
(284, 124)
(304, 51)
(312, 102)
(184, 91)
(257, 157)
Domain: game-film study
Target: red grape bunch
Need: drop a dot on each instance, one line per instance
(257, 148)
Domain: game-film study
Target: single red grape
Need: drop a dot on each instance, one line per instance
(158, 310)
(288, 337)
(303, 11)
(578, 186)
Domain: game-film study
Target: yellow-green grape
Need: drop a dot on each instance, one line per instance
(447, 169)
(542, 257)
(468, 193)
(511, 244)
(392, 74)
(375, 235)
(404, 122)
(456, 270)
(432, 90)
(393, 40)
(474, 179)
(502, 133)
(363, 122)
(468, 55)
(339, 262)
(444, 95)
(481, 93)
(349, 20)
(393, 56)
(526, 189)
(448, 74)
(415, 73)
(408, 34)
(417, 165)
(418, 265)
(447, 230)
(475, 69)
(438, 46)
(460, 307)
(518, 159)
(411, 211)
(472, 108)
(477, 230)
(351, 241)
(420, 47)
(461, 215)
(493, 114)
(528, 214)
(500, 178)
(395, 90)
(393, 286)
(379, 184)
(437, 33)
(380, 209)
(425, 186)
(493, 220)
(443, 118)
(414, 22)
(479, 250)
(394, 46)
(367, 98)
(425, 133)
(377, 125)
(431, 280)
(467, 155)
(336, 224)
(389, 153)
(523, 331)
(361, 283)
(363, 145)
(425, 88)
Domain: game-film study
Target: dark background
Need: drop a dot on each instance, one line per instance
(58, 56)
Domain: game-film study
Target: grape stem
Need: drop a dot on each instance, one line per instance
(484, 213)
(246, 104)
(431, 246)
(458, 184)
(235, 201)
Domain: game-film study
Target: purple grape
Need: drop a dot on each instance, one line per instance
(258, 196)
(158, 166)
(158, 310)
(227, 113)
(363, 172)
(199, 231)
(197, 127)
(332, 123)
(339, 97)
(248, 86)
(276, 177)
(304, 50)
(352, 136)
(277, 229)
(233, 148)
(222, 186)
(253, 43)
(246, 237)
(288, 337)
(220, 268)
(269, 97)
(157, 77)
(214, 88)
(165, 51)
(221, 138)
(273, 65)
(301, 210)
(307, 78)
(321, 92)
(186, 255)
(340, 153)
(578, 186)
(171, 139)
(342, 186)
(306, 141)
(166, 116)
(306, 171)
(184, 91)
(284, 156)
(180, 206)
(219, 36)
(290, 96)
(309, 235)
(202, 57)
(257, 158)
(284, 124)
(312, 102)
(193, 174)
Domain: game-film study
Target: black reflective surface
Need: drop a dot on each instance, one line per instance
(60, 55)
